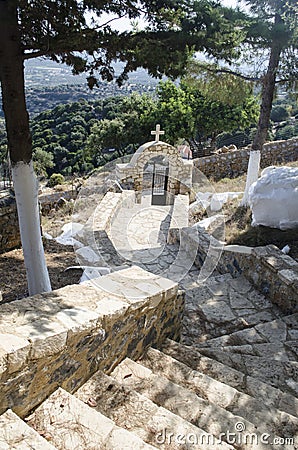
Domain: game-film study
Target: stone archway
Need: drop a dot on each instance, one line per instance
(179, 172)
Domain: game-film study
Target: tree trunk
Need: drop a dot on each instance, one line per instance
(267, 93)
(26, 190)
(20, 147)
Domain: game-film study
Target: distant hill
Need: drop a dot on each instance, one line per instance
(44, 72)
(60, 135)
(49, 84)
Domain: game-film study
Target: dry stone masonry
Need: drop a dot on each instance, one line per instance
(9, 225)
(233, 164)
(61, 338)
(273, 273)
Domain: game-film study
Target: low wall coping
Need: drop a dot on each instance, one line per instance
(238, 249)
(62, 337)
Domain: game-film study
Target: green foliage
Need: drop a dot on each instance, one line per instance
(217, 85)
(238, 138)
(42, 161)
(214, 116)
(55, 178)
(286, 132)
(127, 123)
(59, 31)
(77, 137)
(269, 28)
(62, 133)
(275, 23)
(279, 113)
(174, 111)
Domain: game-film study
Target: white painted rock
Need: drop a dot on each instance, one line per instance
(69, 230)
(209, 222)
(87, 255)
(214, 200)
(273, 198)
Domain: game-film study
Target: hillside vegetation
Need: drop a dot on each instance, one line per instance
(74, 138)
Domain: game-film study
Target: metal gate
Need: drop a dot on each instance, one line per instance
(160, 178)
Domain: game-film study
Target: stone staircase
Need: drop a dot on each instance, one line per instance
(228, 320)
(230, 384)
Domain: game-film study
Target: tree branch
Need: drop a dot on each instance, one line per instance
(108, 22)
(232, 72)
(36, 54)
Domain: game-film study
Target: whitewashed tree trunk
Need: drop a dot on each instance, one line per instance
(252, 174)
(26, 191)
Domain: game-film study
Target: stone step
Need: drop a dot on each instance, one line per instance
(267, 351)
(279, 352)
(138, 414)
(185, 403)
(71, 424)
(224, 305)
(274, 341)
(221, 394)
(15, 434)
(225, 373)
(276, 333)
(282, 375)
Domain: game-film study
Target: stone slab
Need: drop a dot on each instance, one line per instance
(225, 373)
(15, 434)
(70, 423)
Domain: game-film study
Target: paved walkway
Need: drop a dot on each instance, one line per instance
(139, 236)
(139, 233)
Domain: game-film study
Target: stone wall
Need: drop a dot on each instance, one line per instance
(233, 164)
(273, 273)
(61, 338)
(50, 201)
(9, 225)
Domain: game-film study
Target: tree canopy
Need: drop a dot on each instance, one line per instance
(74, 32)
(268, 55)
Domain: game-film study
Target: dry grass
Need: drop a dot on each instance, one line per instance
(230, 184)
(238, 184)
(239, 231)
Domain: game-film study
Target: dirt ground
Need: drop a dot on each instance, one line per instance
(13, 283)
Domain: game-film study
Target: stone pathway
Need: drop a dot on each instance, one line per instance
(230, 384)
(138, 236)
(139, 233)
(225, 318)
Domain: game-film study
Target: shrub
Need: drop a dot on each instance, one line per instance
(55, 178)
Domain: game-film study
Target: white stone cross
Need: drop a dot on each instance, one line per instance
(157, 133)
